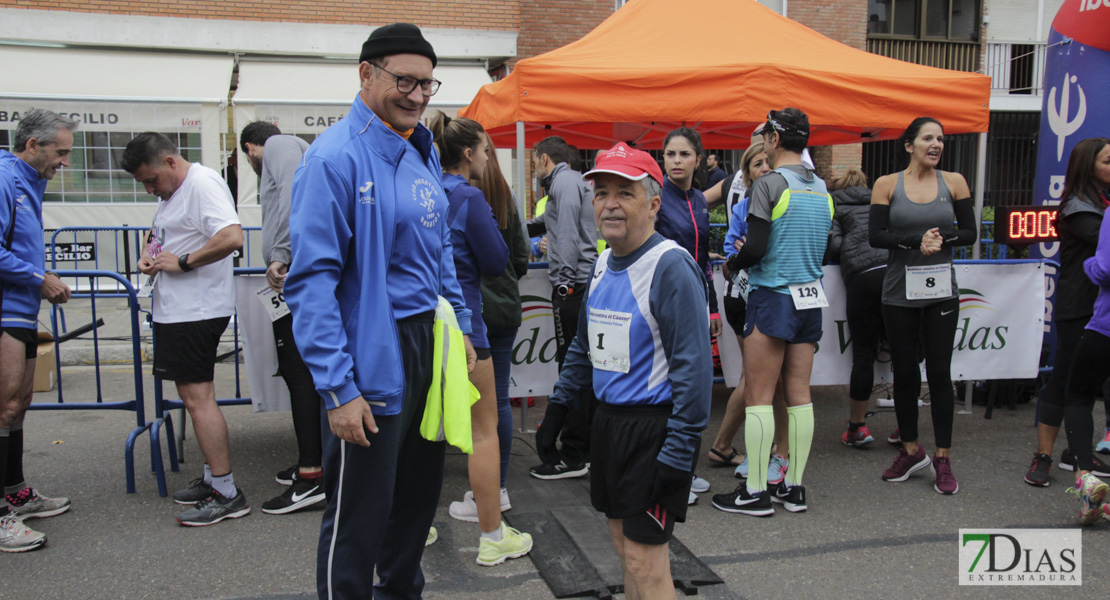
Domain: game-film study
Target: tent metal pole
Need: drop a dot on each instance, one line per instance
(980, 193)
(521, 189)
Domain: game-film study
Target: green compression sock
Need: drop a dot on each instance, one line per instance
(800, 419)
(759, 434)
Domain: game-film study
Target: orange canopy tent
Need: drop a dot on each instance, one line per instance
(717, 65)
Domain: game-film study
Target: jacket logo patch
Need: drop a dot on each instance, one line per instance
(366, 197)
(424, 193)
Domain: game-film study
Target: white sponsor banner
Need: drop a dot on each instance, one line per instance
(268, 390)
(535, 369)
(129, 117)
(998, 335)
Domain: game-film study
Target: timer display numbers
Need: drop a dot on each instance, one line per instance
(1024, 224)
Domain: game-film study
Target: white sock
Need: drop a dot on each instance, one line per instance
(207, 474)
(224, 484)
(494, 535)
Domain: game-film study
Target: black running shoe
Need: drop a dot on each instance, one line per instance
(740, 501)
(1038, 471)
(792, 499)
(559, 471)
(285, 476)
(1068, 462)
(303, 493)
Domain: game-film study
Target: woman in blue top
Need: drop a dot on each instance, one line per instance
(684, 216)
(478, 249)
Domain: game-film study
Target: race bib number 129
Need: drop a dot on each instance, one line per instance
(808, 295)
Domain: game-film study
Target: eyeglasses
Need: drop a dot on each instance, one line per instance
(406, 84)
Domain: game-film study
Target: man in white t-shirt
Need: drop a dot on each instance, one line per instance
(188, 252)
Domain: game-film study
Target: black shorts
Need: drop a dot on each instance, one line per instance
(736, 310)
(29, 337)
(186, 352)
(483, 353)
(624, 443)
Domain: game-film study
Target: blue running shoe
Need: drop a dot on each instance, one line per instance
(1103, 447)
(776, 470)
(741, 471)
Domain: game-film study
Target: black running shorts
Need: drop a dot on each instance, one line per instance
(29, 337)
(186, 352)
(624, 444)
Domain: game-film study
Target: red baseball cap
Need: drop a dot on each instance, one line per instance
(628, 163)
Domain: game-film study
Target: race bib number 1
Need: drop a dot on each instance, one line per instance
(609, 332)
(808, 295)
(273, 302)
(928, 282)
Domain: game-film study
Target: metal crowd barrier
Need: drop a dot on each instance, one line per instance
(135, 404)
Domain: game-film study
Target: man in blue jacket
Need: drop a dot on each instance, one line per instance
(371, 254)
(43, 143)
(640, 347)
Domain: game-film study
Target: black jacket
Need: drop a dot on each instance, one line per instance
(848, 243)
(1078, 225)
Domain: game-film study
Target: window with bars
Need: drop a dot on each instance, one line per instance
(955, 20)
(94, 175)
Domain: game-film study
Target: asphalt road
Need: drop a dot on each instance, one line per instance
(861, 537)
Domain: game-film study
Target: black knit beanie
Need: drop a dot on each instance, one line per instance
(398, 38)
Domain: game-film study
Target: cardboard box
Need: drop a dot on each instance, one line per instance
(46, 371)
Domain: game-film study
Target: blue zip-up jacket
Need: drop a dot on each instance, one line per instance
(349, 279)
(477, 246)
(737, 224)
(669, 361)
(684, 217)
(23, 266)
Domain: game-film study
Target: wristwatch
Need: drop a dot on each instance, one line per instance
(183, 262)
(564, 290)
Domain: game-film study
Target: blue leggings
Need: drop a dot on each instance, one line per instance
(501, 347)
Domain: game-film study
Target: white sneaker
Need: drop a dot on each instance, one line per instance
(699, 485)
(693, 499)
(17, 537)
(467, 510)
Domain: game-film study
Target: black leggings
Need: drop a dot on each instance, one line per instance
(1089, 370)
(932, 328)
(1050, 408)
(865, 321)
(303, 398)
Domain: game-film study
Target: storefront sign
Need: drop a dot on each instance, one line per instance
(131, 117)
(74, 252)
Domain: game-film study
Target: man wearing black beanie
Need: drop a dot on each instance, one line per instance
(370, 256)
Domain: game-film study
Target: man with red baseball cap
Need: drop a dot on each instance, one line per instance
(639, 347)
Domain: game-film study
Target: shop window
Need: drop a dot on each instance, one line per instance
(94, 174)
(955, 20)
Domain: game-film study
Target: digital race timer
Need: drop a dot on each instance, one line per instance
(1024, 224)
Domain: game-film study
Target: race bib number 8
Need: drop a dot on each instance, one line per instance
(927, 282)
(609, 339)
(808, 295)
(273, 302)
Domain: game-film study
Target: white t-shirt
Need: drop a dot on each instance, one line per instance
(183, 224)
